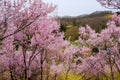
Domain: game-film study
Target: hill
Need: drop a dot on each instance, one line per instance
(96, 20)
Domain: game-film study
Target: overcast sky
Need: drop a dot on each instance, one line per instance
(76, 7)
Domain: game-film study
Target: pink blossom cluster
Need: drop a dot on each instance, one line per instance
(112, 4)
(101, 50)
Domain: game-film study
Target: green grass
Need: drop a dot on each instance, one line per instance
(72, 33)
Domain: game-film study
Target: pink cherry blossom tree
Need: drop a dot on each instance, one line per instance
(100, 52)
(112, 4)
(31, 42)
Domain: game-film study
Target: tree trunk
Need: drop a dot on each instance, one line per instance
(41, 66)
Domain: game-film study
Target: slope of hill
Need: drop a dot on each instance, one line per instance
(96, 20)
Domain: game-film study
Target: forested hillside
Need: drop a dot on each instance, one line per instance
(97, 20)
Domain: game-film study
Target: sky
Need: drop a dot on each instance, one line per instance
(75, 7)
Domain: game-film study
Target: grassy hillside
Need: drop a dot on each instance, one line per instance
(96, 20)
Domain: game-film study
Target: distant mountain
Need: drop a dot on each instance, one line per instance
(97, 20)
(101, 12)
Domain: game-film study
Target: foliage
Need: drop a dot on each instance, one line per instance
(62, 28)
(71, 33)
